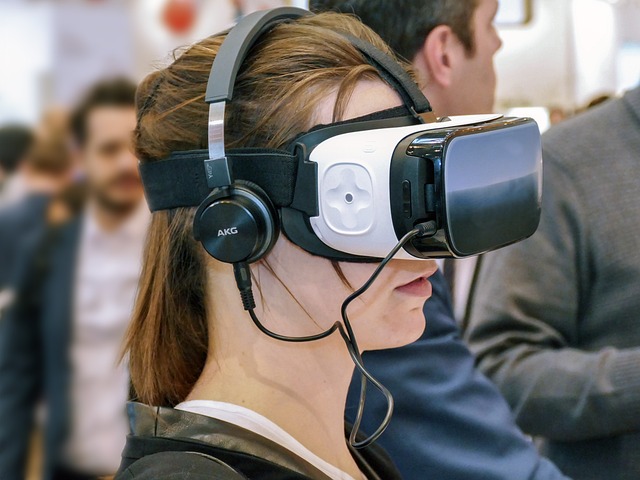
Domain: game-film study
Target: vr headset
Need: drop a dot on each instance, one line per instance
(349, 191)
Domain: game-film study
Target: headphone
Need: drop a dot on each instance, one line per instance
(238, 222)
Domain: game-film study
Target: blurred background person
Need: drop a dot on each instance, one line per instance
(557, 115)
(555, 319)
(449, 421)
(54, 123)
(15, 143)
(62, 339)
(451, 45)
(44, 172)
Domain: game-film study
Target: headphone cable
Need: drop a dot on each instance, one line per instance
(242, 273)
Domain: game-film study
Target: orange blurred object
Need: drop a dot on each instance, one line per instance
(179, 15)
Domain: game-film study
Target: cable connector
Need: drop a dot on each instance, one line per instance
(426, 229)
(242, 272)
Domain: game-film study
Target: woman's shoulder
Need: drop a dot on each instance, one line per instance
(178, 466)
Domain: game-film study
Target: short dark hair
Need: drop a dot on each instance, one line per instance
(118, 92)
(404, 24)
(15, 142)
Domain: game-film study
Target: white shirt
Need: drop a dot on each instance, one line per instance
(464, 272)
(106, 280)
(253, 421)
(13, 190)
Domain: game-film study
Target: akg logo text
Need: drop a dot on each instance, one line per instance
(228, 231)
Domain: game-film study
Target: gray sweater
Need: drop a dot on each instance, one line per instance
(555, 320)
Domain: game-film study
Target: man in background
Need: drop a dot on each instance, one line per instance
(62, 339)
(449, 421)
(555, 319)
(450, 45)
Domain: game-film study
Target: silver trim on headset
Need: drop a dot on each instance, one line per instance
(216, 130)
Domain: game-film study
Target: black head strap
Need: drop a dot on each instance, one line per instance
(180, 181)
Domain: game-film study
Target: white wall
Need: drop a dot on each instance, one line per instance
(154, 43)
(535, 66)
(596, 41)
(26, 56)
(568, 54)
(629, 57)
(50, 50)
(91, 41)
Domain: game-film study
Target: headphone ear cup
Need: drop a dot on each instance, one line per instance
(237, 223)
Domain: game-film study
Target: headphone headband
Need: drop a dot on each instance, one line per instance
(235, 48)
(224, 70)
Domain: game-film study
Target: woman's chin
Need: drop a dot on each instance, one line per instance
(404, 330)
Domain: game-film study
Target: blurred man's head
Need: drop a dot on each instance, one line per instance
(451, 44)
(48, 165)
(15, 142)
(54, 123)
(102, 126)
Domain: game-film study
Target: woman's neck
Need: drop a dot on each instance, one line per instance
(300, 387)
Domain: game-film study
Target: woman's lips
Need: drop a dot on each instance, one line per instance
(420, 287)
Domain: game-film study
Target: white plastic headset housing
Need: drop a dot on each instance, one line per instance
(353, 187)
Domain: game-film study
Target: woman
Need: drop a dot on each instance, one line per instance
(191, 345)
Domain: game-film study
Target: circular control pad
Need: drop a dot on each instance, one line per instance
(346, 197)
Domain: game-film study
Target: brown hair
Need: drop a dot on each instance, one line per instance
(289, 71)
(50, 155)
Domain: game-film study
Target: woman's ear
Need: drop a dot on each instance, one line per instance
(438, 55)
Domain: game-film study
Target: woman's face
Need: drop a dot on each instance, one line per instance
(307, 293)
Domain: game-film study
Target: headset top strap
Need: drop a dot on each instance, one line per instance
(393, 73)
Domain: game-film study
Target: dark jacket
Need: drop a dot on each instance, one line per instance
(156, 430)
(34, 345)
(449, 422)
(20, 223)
